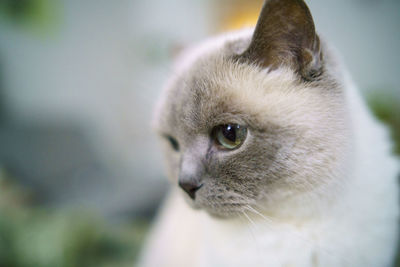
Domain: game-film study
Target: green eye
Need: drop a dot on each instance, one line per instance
(230, 136)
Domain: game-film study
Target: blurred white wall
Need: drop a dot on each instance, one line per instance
(366, 32)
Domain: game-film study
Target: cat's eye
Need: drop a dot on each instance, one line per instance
(172, 141)
(229, 136)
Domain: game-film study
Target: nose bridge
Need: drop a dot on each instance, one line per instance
(191, 171)
(191, 168)
(193, 157)
(191, 165)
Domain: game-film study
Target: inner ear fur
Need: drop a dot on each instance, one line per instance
(285, 36)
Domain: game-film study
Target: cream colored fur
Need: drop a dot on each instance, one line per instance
(352, 220)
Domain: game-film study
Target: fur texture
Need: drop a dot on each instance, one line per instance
(313, 184)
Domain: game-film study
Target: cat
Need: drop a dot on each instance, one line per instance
(274, 157)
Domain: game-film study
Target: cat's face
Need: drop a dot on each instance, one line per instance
(239, 135)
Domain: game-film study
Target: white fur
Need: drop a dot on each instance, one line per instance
(358, 229)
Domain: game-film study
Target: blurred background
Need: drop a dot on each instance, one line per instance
(81, 174)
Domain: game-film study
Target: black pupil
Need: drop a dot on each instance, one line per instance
(229, 132)
(174, 143)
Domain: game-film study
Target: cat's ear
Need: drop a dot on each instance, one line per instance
(285, 35)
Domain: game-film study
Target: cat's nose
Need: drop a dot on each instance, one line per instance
(190, 187)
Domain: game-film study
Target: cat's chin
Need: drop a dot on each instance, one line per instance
(192, 204)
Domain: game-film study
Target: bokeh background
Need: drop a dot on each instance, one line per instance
(80, 171)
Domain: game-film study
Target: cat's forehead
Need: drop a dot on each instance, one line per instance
(199, 97)
(194, 95)
(217, 89)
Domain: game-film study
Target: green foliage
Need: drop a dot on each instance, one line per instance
(31, 236)
(386, 107)
(38, 16)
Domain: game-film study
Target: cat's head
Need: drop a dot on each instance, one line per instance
(255, 119)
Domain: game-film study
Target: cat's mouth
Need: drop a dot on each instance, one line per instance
(227, 205)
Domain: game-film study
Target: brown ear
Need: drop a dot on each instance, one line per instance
(285, 35)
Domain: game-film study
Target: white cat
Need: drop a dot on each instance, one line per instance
(278, 160)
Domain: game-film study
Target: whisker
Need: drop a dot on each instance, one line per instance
(250, 220)
(258, 213)
(252, 231)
